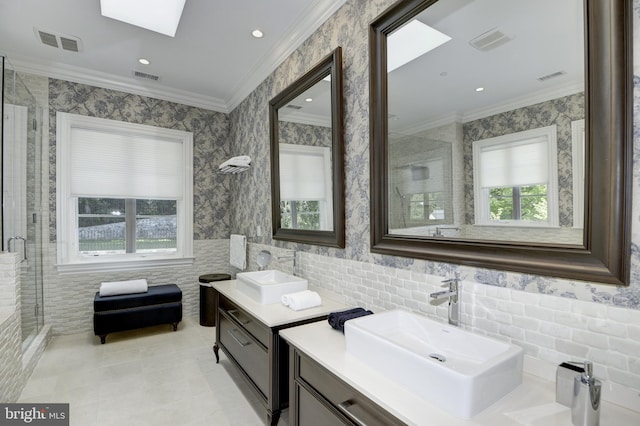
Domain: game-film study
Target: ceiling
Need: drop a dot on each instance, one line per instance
(212, 62)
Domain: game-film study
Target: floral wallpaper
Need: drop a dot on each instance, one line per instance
(304, 134)
(211, 192)
(561, 112)
(348, 28)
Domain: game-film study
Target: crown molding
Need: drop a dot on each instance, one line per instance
(487, 111)
(109, 81)
(310, 20)
(304, 118)
(524, 101)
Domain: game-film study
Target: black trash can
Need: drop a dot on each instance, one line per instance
(208, 298)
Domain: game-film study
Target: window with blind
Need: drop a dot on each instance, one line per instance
(124, 194)
(515, 179)
(305, 187)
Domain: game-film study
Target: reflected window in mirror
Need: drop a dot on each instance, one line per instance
(305, 187)
(515, 179)
(578, 142)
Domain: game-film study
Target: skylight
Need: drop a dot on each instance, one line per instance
(161, 16)
(410, 42)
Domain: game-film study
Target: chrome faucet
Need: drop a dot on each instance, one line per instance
(453, 294)
(289, 256)
(439, 229)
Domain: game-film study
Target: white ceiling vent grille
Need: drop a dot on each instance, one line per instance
(550, 76)
(140, 74)
(69, 44)
(490, 40)
(59, 41)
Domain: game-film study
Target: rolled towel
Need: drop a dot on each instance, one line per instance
(334, 317)
(337, 319)
(114, 288)
(239, 161)
(301, 300)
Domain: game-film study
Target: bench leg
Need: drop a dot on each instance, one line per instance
(175, 326)
(103, 338)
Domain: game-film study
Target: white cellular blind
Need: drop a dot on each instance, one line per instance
(125, 166)
(302, 174)
(514, 164)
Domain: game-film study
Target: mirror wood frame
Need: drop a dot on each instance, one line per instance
(330, 65)
(604, 255)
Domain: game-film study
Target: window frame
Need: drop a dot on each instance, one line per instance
(69, 260)
(481, 195)
(578, 142)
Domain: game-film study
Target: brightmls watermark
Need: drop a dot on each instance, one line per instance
(34, 414)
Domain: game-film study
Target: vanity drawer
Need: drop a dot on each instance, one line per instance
(250, 324)
(312, 411)
(246, 351)
(346, 400)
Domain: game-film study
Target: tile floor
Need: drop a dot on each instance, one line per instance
(151, 376)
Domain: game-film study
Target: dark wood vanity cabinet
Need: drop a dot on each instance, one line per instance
(258, 351)
(319, 398)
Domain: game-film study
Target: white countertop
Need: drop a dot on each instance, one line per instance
(276, 314)
(532, 403)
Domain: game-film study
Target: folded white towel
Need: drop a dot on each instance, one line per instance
(301, 300)
(113, 288)
(238, 251)
(239, 161)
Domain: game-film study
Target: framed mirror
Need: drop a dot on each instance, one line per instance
(498, 145)
(307, 157)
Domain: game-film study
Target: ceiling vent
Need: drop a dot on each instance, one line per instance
(294, 106)
(550, 76)
(490, 40)
(59, 41)
(140, 74)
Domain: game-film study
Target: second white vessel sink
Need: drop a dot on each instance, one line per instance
(461, 372)
(268, 287)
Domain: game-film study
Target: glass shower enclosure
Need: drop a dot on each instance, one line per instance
(22, 194)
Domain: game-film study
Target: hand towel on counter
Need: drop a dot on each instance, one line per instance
(239, 161)
(114, 288)
(302, 300)
(337, 319)
(238, 251)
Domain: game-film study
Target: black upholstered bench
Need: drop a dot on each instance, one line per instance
(161, 304)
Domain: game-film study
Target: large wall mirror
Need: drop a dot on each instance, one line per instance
(307, 157)
(501, 134)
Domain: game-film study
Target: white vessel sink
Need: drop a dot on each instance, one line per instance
(461, 372)
(268, 287)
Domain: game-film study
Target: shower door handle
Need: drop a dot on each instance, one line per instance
(24, 245)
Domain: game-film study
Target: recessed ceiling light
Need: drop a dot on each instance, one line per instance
(144, 61)
(479, 89)
(162, 17)
(309, 99)
(412, 41)
(257, 33)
